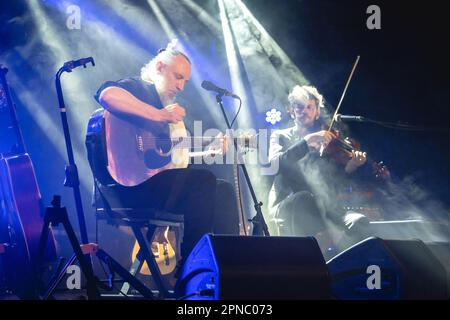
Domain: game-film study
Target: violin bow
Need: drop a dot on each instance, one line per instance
(340, 101)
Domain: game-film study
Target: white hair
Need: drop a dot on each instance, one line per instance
(301, 94)
(166, 56)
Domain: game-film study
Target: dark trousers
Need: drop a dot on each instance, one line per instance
(302, 217)
(226, 212)
(208, 204)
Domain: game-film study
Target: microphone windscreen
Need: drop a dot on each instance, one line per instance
(208, 85)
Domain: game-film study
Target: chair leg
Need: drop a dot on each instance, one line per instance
(179, 233)
(150, 259)
(139, 286)
(134, 270)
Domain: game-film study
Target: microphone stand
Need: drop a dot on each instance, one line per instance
(72, 180)
(71, 171)
(259, 224)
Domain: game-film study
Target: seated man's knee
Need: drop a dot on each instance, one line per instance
(304, 195)
(303, 199)
(301, 214)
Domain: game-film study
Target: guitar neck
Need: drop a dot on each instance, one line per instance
(5, 97)
(202, 141)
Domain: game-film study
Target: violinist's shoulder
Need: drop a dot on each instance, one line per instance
(285, 133)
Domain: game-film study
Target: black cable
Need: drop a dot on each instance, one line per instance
(406, 127)
(205, 292)
(239, 109)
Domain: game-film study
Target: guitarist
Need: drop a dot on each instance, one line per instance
(149, 101)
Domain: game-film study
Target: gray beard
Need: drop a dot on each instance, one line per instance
(166, 100)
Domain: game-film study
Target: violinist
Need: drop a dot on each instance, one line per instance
(304, 190)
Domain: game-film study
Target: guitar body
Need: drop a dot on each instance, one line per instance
(22, 222)
(21, 210)
(136, 153)
(162, 248)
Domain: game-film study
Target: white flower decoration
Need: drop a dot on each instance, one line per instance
(273, 116)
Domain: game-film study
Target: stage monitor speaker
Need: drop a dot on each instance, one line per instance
(250, 267)
(388, 270)
(441, 250)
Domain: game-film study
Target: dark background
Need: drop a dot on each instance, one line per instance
(401, 77)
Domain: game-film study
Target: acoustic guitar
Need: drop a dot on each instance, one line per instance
(137, 151)
(21, 210)
(163, 250)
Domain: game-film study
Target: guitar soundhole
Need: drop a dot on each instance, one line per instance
(157, 156)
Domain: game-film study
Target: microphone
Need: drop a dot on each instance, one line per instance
(69, 65)
(341, 117)
(208, 85)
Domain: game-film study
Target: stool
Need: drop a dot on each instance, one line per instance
(137, 219)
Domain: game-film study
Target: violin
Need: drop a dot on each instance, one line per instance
(340, 150)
